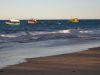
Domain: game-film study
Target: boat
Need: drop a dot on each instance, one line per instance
(32, 21)
(13, 22)
(74, 20)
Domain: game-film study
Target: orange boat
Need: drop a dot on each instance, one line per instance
(32, 21)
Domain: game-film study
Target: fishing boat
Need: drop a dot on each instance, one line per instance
(32, 21)
(13, 22)
(74, 20)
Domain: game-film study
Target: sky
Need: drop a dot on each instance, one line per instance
(49, 9)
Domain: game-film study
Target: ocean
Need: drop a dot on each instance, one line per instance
(47, 38)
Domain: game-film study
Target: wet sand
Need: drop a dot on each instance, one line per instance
(80, 63)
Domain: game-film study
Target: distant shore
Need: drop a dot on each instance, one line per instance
(80, 63)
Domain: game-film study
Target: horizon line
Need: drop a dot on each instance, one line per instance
(49, 18)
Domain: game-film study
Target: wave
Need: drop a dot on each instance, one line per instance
(31, 36)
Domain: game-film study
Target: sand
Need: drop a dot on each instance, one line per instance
(80, 63)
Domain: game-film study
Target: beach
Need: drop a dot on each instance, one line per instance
(80, 63)
(49, 37)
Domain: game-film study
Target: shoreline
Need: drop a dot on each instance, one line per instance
(79, 63)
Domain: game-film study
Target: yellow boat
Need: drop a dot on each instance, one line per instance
(74, 20)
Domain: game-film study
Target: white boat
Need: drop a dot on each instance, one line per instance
(13, 22)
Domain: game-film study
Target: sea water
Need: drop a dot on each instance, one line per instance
(49, 37)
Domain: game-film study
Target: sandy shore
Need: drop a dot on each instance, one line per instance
(81, 63)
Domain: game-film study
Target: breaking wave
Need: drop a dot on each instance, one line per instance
(47, 35)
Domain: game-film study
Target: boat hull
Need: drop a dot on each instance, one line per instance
(73, 21)
(11, 23)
